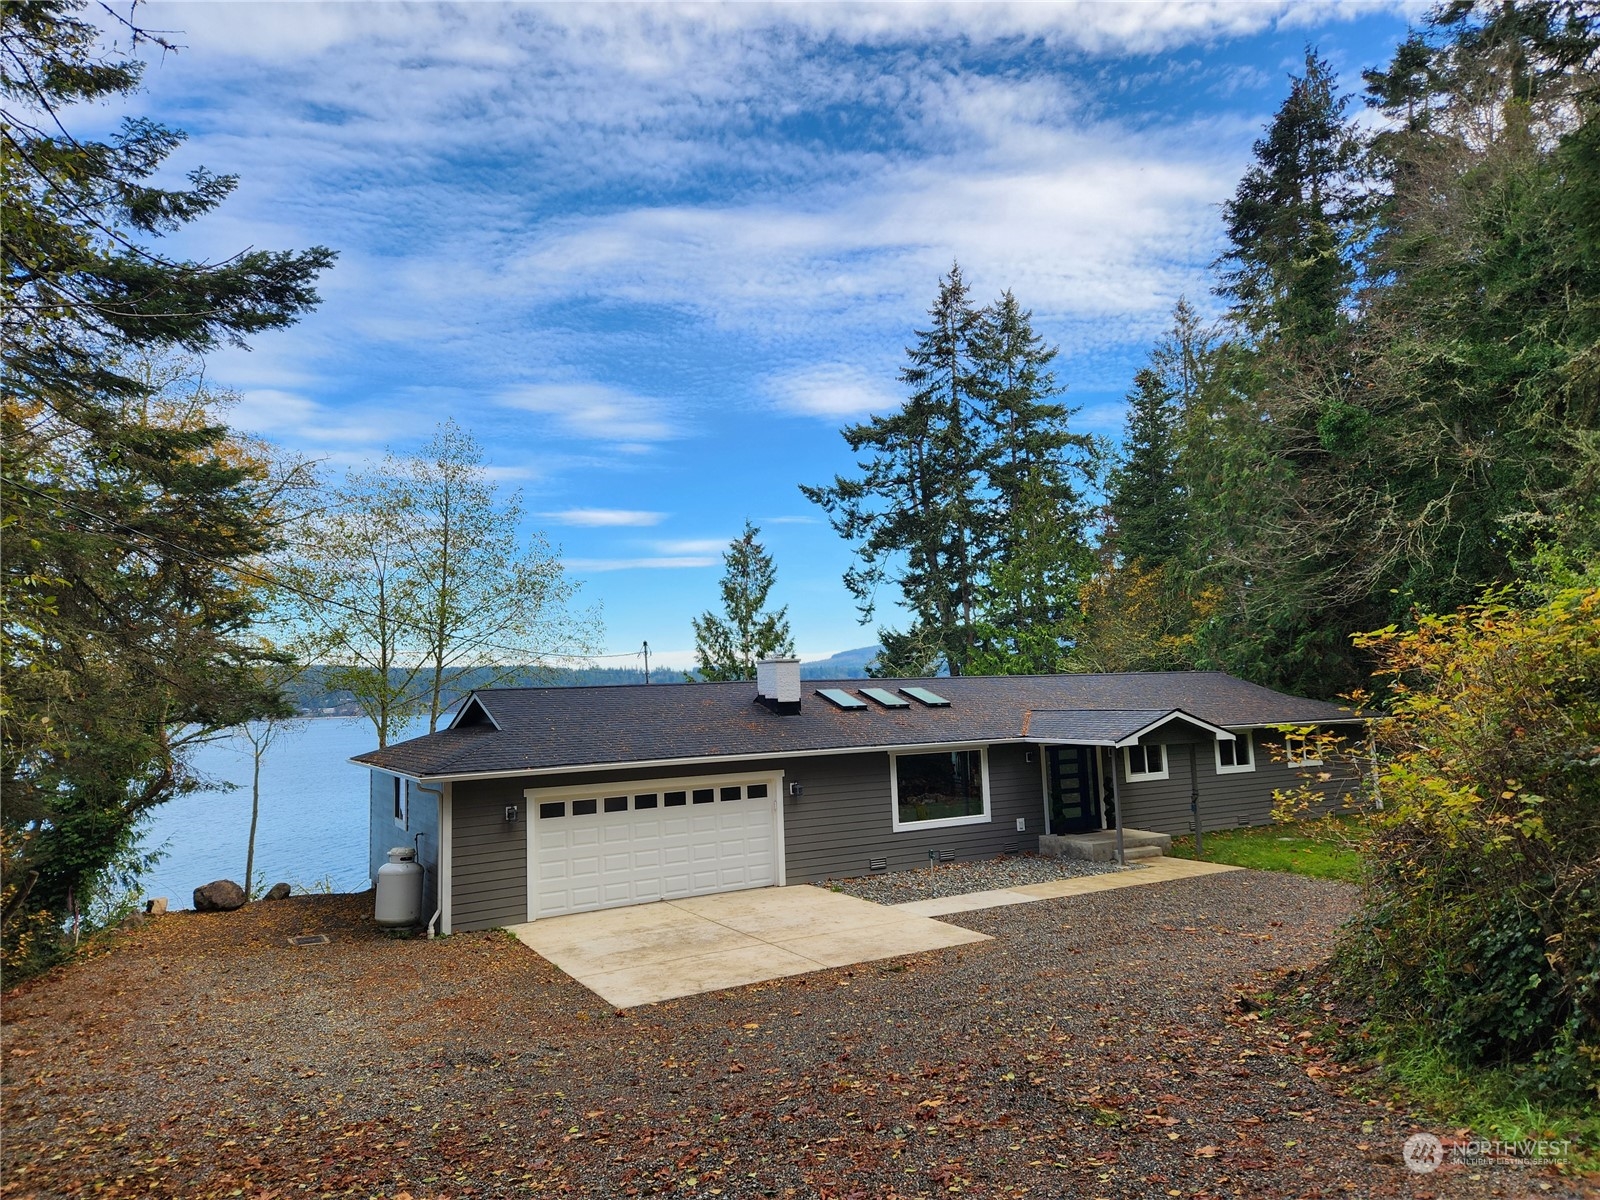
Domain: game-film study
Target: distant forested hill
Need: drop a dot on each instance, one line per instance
(311, 694)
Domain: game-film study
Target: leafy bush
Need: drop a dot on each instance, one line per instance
(1482, 910)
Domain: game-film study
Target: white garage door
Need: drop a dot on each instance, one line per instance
(651, 840)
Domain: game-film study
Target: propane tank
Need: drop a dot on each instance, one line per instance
(399, 899)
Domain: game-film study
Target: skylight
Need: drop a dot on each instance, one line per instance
(840, 698)
(885, 697)
(931, 699)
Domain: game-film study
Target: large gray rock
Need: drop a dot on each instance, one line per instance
(278, 891)
(220, 895)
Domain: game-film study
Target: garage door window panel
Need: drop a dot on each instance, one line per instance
(653, 845)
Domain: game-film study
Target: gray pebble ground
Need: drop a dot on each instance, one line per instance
(958, 879)
(1096, 1047)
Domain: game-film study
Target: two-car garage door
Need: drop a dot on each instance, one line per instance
(651, 840)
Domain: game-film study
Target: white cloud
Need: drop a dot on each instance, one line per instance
(579, 566)
(597, 518)
(691, 546)
(594, 412)
(832, 390)
(292, 417)
(658, 41)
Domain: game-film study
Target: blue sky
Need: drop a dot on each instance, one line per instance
(654, 257)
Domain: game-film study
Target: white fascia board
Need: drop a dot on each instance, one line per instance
(472, 698)
(1034, 740)
(398, 774)
(702, 760)
(1176, 714)
(1318, 721)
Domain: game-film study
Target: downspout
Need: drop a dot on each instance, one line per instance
(1116, 803)
(438, 900)
(1194, 802)
(1372, 753)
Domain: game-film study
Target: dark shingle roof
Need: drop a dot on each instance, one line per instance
(1092, 726)
(538, 729)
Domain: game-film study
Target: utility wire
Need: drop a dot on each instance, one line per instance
(267, 580)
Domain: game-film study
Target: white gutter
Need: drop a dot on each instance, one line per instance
(767, 755)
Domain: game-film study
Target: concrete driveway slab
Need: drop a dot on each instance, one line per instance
(652, 952)
(801, 912)
(650, 983)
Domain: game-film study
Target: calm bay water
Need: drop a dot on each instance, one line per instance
(313, 824)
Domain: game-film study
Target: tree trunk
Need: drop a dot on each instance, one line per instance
(255, 813)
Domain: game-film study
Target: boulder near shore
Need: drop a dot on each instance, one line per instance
(220, 895)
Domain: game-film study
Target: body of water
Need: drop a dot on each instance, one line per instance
(313, 827)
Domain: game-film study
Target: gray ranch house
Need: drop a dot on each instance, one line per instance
(541, 801)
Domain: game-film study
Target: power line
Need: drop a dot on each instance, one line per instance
(269, 581)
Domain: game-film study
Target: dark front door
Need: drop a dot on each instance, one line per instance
(1069, 776)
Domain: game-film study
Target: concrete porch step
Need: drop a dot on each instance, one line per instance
(1101, 845)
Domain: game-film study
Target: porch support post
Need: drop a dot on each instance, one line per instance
(1116, 803)
(1194, 802)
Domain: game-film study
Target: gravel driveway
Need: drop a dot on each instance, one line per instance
(1093, 1049)
(958, 879)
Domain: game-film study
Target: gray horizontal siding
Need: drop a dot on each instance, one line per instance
(420, 832)
(488, 856)
(1227, 801)
(843, 818)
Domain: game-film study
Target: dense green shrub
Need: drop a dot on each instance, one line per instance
(1481, 917)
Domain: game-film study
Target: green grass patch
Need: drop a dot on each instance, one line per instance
(1498, 1103)
(1321, 849)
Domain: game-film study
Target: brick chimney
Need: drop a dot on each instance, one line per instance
(778, 684)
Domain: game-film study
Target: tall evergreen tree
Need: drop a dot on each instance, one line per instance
(1145, 501)
(1294, 221)
(913, 514)
(131, 523)
(729, 647)
(1035, 475)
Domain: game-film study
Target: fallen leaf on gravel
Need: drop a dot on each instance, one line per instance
(1208, 1152)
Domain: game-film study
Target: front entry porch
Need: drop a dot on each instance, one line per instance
(1100, 845)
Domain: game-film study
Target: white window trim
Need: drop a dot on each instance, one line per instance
(401, 796)
(1133, 776)
(1303, 759)
(900, 826)
(1241, 738)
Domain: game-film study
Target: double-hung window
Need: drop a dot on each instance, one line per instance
(1299, 752)
(1235, 756)
(1145, 762)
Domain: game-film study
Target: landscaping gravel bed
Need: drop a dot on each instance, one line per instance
(1100, 1046)
(957, 879)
